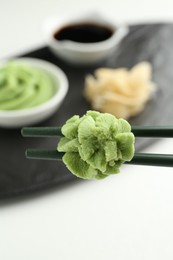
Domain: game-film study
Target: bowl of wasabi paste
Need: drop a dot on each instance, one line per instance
(31, 90)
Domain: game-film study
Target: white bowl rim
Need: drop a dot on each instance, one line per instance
(92, 47)
(56, 98)
(53, 23)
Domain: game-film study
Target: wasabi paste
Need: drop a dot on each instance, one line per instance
(23, 86)
(96, 144)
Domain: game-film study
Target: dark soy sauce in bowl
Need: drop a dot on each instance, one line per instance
(84, 33)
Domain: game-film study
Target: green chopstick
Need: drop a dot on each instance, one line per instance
(138, 159)
(138, 131)
(41, 131)
(43, 154)
(153, 131)
(151, 159)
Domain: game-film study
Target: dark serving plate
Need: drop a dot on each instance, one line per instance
(151, 42)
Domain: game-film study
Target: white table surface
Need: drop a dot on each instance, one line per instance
(128, 216)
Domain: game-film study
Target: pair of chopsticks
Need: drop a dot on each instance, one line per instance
(151, 159)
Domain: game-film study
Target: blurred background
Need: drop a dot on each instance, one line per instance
(21, 21)
(127, 216)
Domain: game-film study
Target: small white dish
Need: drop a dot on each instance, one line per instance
(83, 53)
(25, 117)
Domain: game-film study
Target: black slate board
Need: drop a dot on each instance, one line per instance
(153, 43)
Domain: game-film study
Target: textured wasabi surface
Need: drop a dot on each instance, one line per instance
(96, 144)
(22, 86)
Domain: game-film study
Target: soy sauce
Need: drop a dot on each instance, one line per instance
(84, 33)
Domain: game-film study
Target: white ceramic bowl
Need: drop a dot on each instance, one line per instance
(83, 53)
(25, 117)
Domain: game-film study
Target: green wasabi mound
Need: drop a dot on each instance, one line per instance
(96, 144)
(23, 86)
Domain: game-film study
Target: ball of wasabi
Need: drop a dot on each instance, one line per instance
(96, 144)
